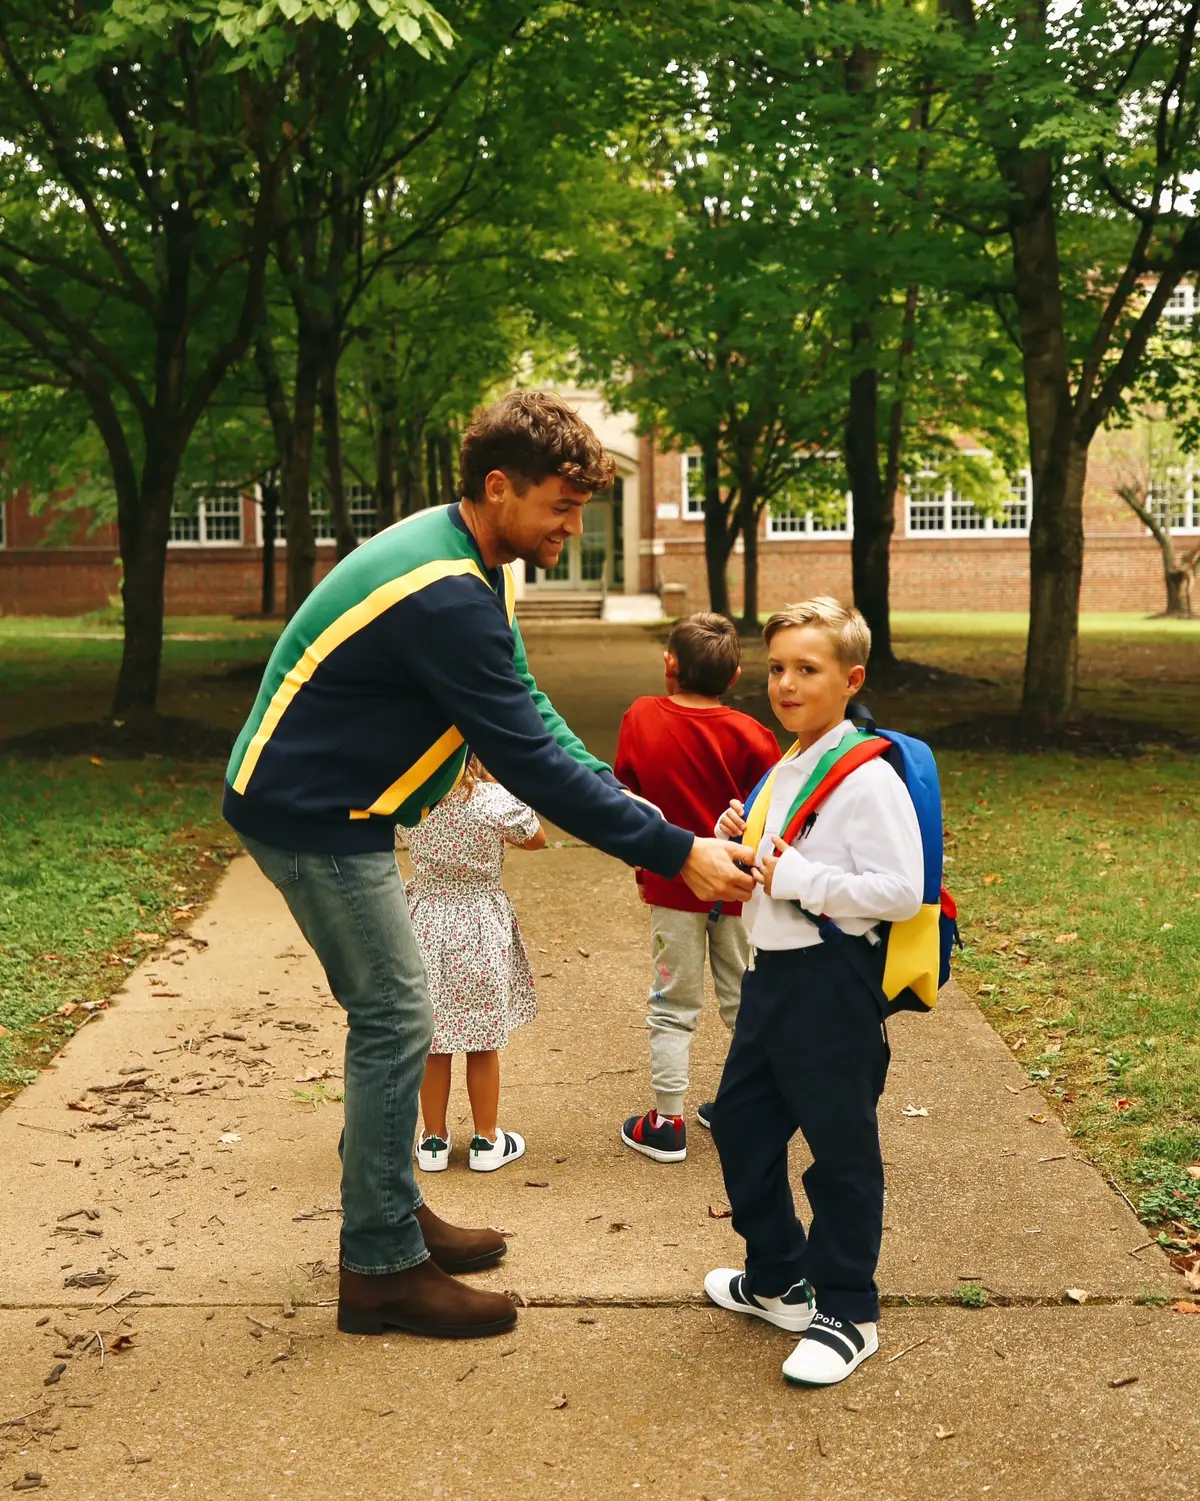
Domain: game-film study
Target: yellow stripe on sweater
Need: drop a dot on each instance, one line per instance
(416, 775)
(350, 621)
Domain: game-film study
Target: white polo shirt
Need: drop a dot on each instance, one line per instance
(861, 863)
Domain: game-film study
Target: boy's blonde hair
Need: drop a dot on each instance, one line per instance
(848, 632)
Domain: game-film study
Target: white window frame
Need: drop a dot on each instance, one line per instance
(362, 503)
(1189, 500)
(202, 539)
(783, 528)
(692, 505)
(1183, 304)
(951, 498)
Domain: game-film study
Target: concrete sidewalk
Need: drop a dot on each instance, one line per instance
(200, 1181)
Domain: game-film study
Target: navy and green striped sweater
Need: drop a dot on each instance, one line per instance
(404, 655)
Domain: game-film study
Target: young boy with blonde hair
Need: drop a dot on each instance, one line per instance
(810, 1052)
(688, 753)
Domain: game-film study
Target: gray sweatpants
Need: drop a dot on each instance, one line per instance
(679, 941)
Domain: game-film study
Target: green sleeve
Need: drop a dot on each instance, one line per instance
(554, 722)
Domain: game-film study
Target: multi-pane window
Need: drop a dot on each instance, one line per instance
(1173, 496)
(208, 518)
(808, 524)
(1183, 304)
(360, 499)
(693, 486)
(936, 509)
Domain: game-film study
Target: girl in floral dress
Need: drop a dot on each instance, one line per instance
(479, 976)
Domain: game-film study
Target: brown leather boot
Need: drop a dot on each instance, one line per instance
(457, 1250)
(420, 1300)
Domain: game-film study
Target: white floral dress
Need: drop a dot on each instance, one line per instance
(480, 982)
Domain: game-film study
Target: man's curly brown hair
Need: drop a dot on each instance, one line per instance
(532, 436)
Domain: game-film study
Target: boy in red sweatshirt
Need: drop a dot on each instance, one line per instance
(689, 754)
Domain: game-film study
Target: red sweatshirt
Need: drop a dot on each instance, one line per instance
(690, 762)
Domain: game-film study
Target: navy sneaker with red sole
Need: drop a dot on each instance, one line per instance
(660, 1137)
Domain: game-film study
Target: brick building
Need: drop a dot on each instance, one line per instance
(642, 549)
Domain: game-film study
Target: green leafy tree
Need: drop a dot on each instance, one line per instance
(1071, 132)
(137, 196)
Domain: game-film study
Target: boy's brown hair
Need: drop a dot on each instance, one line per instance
(849, 634)
(708, 651)
(532, 436)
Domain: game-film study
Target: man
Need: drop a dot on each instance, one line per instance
(406, 653)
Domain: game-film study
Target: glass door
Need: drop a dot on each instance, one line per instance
(586, 561)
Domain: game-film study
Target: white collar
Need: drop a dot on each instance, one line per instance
(809, 758)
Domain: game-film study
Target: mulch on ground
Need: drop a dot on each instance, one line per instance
(169, 736)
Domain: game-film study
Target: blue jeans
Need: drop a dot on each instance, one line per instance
(351, 909)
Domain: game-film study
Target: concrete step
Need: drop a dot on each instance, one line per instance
(561, 607)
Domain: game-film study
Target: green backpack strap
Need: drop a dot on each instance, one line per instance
(851, 751)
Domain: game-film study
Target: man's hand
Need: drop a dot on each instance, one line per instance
(732, 823)
(712, 875)
(771, 861)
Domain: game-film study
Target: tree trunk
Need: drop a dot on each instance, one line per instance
(269, 487)
(1057, 455)
(1179, 591)
(386, 454)
(716, 545)
(446, 478)
(412, 490)
(143, 527)
(1055, 579)
(331, 432)
(874, 513)
(297, 477)
(748, 525)
(431, 470)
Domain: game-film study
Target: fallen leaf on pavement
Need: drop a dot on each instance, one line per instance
(719, 1212)
(229, 1137)
(1183, 1306)
(1038, 1120)
(1077, 1295)
(81, 1105)
(119, 1342)
(618, 1225)
(560, 1401)
(915, 1110)
(940, 1432)
(313, 1075)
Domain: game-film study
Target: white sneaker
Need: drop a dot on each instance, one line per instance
(792, 1310)
(486, 1156)
(433, 1153)
(830, 1350)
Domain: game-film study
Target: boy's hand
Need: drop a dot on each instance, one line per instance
(732, 822)
(771, 861)
(713, 876)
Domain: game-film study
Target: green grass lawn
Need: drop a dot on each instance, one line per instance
(1079, 883)
(1078, 877)
(97, 864)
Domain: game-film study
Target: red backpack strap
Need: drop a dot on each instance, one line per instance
(858, 755)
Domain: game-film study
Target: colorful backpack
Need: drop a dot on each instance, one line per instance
(916, 952)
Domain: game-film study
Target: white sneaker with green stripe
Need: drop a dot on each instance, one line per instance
(433, 1153)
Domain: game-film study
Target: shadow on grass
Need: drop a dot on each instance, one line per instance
(168, 736)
